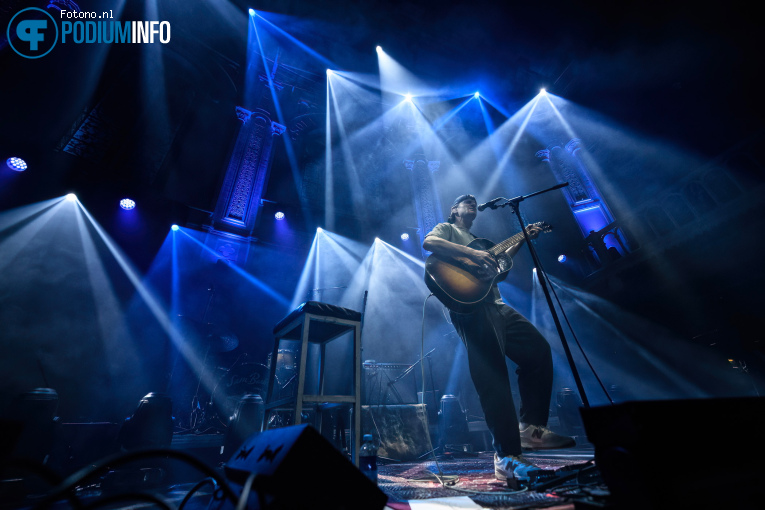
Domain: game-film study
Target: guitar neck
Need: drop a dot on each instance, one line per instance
(505, 245)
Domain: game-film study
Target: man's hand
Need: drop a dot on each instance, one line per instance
(534, 231)
(482, 263)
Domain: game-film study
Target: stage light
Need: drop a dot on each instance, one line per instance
(174, 228)
(71, 197)
(34, 412)
(543, 91)
(16, 164)
(561, 258)
(319, 229)
(404, 236)
(127, 204)
(279, 215)
(378, 49)
(246, 421)
(329, 72)
(251, 11)
(476, 95)
(408, 98)
(151, 425)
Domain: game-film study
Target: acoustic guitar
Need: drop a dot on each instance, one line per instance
(460, 288)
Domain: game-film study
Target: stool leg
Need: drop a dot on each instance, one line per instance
(321, 368)
(301, 373)
(357, 393)
(271, 382)
(322, 350)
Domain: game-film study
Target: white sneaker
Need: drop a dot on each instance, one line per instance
(537, 437)
(514, 467)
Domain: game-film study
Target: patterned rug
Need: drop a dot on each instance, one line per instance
(472, 475)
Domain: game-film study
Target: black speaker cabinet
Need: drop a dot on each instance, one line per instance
(705, 453)
(400, 430)
(297, 468)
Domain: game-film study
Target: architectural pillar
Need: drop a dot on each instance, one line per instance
(602, 233)
(247, 175)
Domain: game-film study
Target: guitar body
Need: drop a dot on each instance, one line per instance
(456, 287)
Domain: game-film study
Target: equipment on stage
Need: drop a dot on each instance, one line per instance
(294, 467)
(241, 379)
(400, 430)
(246, 421)
(458, 287)
(210, 338)
(696, 453)
(392, 383)
(286, 372)
(453, 433)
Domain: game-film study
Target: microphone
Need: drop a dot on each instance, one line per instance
(490, 203)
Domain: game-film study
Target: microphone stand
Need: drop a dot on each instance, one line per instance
(514, 203)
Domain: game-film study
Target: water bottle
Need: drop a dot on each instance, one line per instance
(368, 458)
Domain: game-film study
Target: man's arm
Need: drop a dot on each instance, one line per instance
(477, 259)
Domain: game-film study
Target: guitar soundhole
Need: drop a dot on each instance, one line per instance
(503, 264)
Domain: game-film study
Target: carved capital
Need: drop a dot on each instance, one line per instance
(544, 155)
(277, 129)
(574, 145)
(243, 114)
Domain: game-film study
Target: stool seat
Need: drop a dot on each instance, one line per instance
(322, 331)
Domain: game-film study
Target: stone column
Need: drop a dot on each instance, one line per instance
(598, 226)
(248, 170)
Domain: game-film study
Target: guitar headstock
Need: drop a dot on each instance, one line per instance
(539, 227)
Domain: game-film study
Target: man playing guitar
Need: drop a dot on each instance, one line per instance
(490, 331)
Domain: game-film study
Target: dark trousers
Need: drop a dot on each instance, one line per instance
(490, 333)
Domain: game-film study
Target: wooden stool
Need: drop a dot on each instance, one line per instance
(319, 323)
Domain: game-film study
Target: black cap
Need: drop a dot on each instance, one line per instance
(461, 198)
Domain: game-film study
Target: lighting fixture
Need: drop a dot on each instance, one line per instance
(16, 164)
(127, 204)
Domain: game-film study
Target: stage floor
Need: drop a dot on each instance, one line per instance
(470, 479)
(468, 482)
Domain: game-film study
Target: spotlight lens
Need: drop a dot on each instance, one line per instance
(404, 236)
(561, 258)
(329, 72)
(279, 215)
(543, 91)
(71, 197)
(378, 49)
(16, 164)
(408, 97)
(319, 229)
(476, 95)
(251, 11)
(174, 228)
(127, 204)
